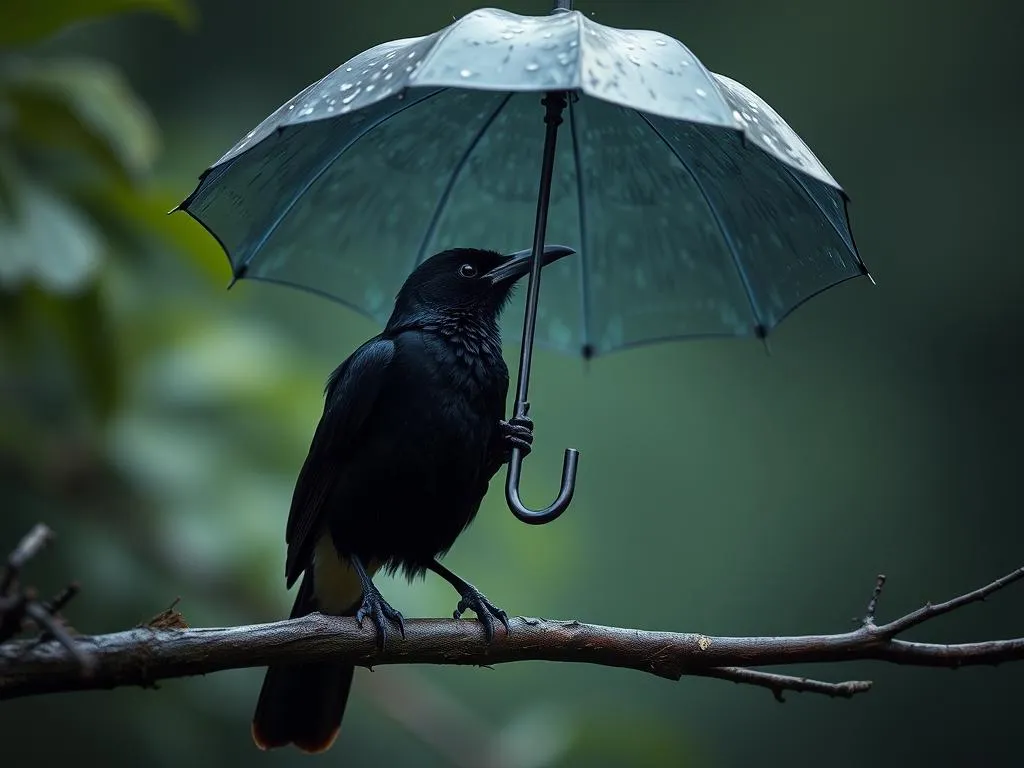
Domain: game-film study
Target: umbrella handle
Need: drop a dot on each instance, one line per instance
(555, 508)
(554, 103)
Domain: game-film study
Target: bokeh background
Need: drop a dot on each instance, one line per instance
(157, 422)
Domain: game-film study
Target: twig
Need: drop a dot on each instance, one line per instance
(28, 548)
(869, 617)
(141, 657)
(930, 611)
(779, 684)
(18, 604)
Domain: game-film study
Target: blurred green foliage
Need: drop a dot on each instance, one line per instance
(157, 421)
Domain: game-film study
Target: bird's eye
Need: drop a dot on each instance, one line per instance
(467, 270)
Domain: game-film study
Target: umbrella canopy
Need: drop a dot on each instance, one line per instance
(695, 209)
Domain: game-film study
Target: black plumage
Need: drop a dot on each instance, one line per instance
(412, 432)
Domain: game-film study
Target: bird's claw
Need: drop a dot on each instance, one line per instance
(377, 608)
(486, 612)
(518, 433)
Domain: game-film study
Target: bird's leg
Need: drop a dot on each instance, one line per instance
(517, 432)
(472, 600)
(374, 605)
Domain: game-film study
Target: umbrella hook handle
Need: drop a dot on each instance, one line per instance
(555, 103)
(540, 516)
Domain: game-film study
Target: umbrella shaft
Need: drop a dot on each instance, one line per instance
(562, 5)
(555, 103)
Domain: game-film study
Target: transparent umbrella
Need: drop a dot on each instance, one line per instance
(695, 210)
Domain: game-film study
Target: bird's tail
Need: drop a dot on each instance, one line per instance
(302, 704)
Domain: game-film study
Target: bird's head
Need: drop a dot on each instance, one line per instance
(464, 282)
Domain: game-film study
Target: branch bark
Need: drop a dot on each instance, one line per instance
(143, 656)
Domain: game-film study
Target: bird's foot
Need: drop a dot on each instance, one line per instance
(486, 612)
(377, 608)
(518, 433)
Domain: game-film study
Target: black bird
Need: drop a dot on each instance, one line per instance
(413, 429)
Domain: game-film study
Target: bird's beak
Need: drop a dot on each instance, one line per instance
(518, 264)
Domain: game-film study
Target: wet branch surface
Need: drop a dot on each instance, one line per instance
(167, 649)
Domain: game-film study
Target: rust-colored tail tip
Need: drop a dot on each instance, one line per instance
(309, 747)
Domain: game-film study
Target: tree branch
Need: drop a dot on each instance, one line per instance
(143, 656)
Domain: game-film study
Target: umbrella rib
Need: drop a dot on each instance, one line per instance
(442, 201)
(582, 203)
(796, 177)
(730, 244)
(265, 237)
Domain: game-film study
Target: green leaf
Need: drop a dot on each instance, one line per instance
(22, 23)
(46, 241)
(84, 105)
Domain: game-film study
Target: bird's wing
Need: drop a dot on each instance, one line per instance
(350, 395)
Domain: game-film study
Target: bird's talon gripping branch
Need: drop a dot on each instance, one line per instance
(486, 612)
(377, 608)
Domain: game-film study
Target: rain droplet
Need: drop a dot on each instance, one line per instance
(345, 87)
(348, 69)
(369, 88)
(701, 92)
(737, 115)
(659, 42)
(634, 59)
(507, 36)
(547, 35)
(412, 54)
(389, 75)
(306, 111)
(291, 106)
(532, 66)
(386, 65)
(685, 63)
(466, 73)
(330, 109)
(348, 99)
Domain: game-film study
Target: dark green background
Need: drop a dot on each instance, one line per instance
(721, 489)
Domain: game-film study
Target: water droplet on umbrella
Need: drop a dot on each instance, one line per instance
(659, 42)
(532, 66)
(507, 36)
(412, 54)
(701, 92)
(466, 73)
(369, 88)
(345, 87)
(348, 99)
